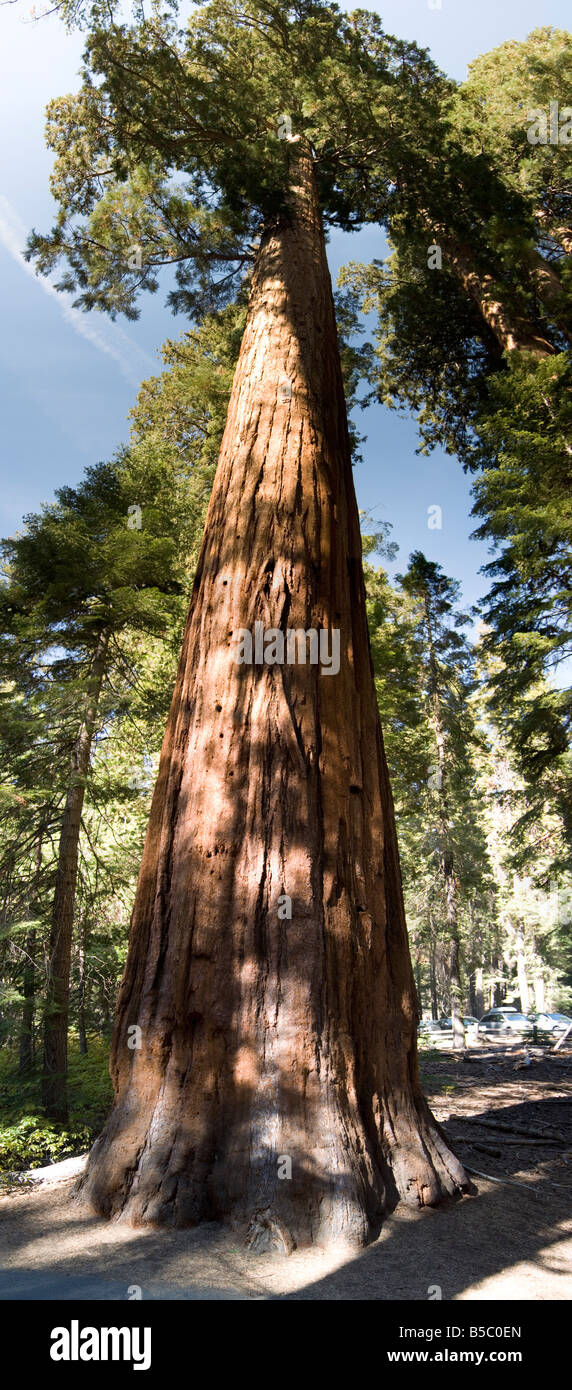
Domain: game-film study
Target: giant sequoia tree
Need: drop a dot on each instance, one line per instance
(267, 1011)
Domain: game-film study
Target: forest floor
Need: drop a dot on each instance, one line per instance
(508, 1114)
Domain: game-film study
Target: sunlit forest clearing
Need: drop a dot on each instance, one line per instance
(285, 837)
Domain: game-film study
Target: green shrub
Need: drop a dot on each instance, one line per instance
(27, 1138)
(34, 1143)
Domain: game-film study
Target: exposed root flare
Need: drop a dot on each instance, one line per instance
(425, 1170)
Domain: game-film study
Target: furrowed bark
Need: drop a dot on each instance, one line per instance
(275, 1085)
(54, 1081)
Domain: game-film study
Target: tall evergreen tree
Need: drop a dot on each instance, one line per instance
(78, 577)
(261, 1035)
(498, 399)
(446, 675)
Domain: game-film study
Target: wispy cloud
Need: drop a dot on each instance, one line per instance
(108, 338)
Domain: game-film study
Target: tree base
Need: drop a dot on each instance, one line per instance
(412, 1163)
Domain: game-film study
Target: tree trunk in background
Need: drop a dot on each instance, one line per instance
(433, 983)
(105, 1006)
(479, 993)
(549, 289)
(521, 970)
(539, 994)
(28, 1008)
(562, 235)
(276, 1080)
(419, 986)
(54, 1090)
(511, 330)
(538, 982)
(476, 971)
(81, 991)
(447, 857)
(26, 1061)
(454, 964)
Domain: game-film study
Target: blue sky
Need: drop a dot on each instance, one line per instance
(69, 379)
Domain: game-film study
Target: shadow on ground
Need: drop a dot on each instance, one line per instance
(512, 1240)
(502, 1243)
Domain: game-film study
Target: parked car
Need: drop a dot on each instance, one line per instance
(428, 1026)
(506, 1021)
(550, 1023)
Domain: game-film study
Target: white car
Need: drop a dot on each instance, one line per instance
(550, 1023)
(508, 1020)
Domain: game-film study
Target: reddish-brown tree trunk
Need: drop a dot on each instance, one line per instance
(504, 327)
(266, 1038)
(510, 329)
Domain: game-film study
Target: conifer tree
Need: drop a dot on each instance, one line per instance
(496, 396)
(78, 577)
(261, 1033)
(446, 679)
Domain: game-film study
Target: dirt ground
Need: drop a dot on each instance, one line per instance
(508, 1114)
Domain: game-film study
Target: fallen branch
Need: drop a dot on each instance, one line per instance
(510, 1182)
(548, 1136)
(534, 1142)
(562, 1039)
